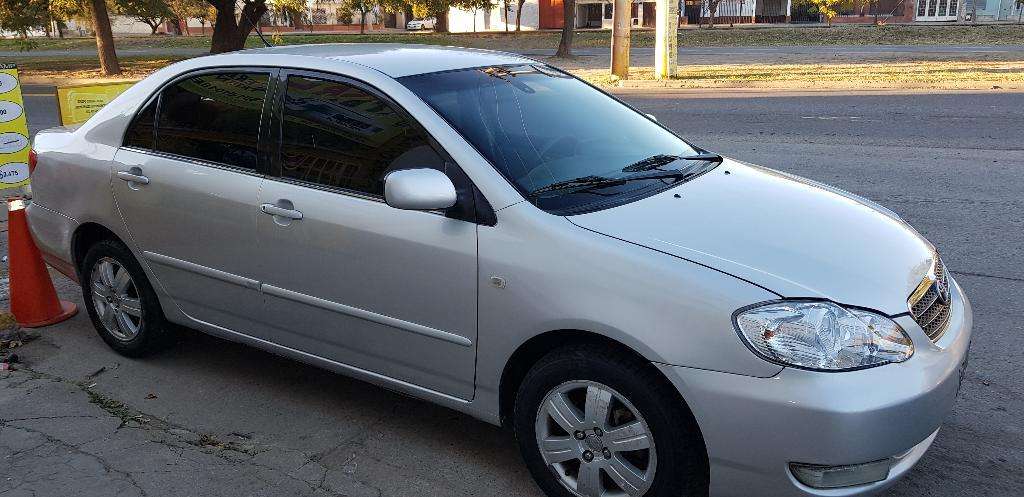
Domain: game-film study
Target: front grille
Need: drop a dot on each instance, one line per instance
(931, 310)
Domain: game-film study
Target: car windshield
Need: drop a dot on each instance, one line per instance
(555, 138)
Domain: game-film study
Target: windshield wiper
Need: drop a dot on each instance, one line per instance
(580, 184)
(656, 161)
(587, 183)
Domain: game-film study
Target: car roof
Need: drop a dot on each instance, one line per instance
(399, 59)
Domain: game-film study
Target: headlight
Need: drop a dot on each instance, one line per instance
(823, 336)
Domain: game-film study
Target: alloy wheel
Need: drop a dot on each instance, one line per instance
(595, 441)
(116, 299)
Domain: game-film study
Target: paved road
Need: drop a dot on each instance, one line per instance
(687, 55)
(221, 419)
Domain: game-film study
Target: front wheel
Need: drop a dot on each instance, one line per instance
(591, 422)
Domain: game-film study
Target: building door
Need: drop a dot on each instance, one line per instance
(937, 10)
(692, 11)
(589, 16)
(649, 14)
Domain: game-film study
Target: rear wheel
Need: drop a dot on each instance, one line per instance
(592, 422)
(120, 301)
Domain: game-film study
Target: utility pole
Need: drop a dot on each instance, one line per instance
(666, 44)
(620, 38)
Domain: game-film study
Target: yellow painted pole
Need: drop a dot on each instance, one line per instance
(666, 45)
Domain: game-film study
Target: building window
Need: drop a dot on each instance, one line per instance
(608, 9)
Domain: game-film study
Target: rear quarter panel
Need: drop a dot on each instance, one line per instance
(71, 181)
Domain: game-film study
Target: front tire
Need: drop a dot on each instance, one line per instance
(592, 421)
(121, 303)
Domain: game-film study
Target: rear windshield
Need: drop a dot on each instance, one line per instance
(539, 126)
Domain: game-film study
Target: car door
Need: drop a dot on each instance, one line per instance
(186, 183)
(344, 275)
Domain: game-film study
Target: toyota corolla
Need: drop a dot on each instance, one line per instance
(487, 232)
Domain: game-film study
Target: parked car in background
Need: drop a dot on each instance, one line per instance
(487, 232)
(419, 24)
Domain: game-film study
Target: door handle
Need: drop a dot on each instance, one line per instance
(274, 210)
(133, 178)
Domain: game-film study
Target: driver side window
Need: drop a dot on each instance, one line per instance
(339, 136)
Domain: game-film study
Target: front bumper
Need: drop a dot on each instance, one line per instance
(755, 427)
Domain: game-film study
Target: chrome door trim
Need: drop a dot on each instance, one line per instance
(366, 315)
(200, 269)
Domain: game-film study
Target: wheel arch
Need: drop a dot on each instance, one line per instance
(85, 236)
(532, 350)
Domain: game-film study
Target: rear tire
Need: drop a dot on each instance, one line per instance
(607, 390)
(121, 303)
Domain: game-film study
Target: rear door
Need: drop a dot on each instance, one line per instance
(347, 277)
(187, 181)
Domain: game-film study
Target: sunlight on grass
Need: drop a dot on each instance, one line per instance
(921, 74)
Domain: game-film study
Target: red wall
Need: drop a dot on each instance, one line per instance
(551, 16)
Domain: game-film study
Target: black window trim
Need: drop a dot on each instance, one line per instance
(484, 213)
(261, 167)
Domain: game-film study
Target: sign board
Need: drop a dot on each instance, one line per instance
(14, 142)
(78, 103)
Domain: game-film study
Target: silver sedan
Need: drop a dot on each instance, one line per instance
(486, 232)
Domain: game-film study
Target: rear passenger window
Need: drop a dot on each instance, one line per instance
(213, 117)
(140, 131)
(340, 136)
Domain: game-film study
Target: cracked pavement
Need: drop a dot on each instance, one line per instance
(209, 417)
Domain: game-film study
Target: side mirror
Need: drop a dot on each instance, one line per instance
(419, 190)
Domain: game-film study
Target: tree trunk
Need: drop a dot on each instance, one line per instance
(568, 29)
(104, 39)
(362, 23)
(441, 21)
(519, 15)
(506, 16)
(230, 35)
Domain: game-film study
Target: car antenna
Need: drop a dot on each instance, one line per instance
(256, 27)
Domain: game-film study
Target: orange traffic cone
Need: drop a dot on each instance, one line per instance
(34, 302)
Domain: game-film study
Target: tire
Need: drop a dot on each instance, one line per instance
(674, 464)
(108, 300)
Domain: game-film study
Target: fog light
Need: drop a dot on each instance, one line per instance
(818, 476)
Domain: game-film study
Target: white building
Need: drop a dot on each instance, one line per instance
(464, 21)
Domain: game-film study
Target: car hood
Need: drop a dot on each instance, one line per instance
(790, 235)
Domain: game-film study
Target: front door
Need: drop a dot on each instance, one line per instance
(347, 277)
(187, 184)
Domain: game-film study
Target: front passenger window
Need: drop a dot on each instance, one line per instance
(213, 117)
(340, 136)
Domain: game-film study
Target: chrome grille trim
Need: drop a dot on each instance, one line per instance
(929, 309)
